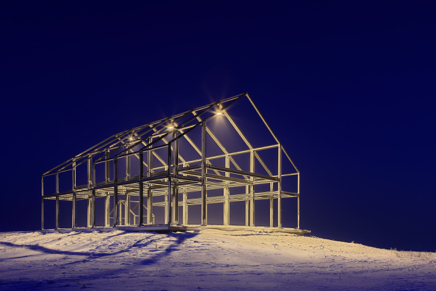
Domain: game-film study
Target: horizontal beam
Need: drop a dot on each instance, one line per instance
(243, 173)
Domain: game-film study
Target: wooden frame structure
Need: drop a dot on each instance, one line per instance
(162, 171)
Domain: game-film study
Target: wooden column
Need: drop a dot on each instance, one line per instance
(226, 193)
(252, 200)
(149, 192)
(175, 158)
(42, 202)
(127, 196)
(107, 210)
(73, 222)
(141, 188)
(279, 187)
(271, 206)
(57, 183)
(127, 209)
(93, 209)
(107, 168)
(166, 214)
(107, 201)
(89, 213)
(57, 211)
(203, 220)
(185, 208)
(247, 205)
(298, 201)
(57, 201)
(116, 206)
(128, 168)
(90, 198)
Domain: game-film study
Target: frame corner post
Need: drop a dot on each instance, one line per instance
(252, 198)
(298, 202)
(42, 203)
(141, 188)
(74, 198)
(42, 213)
(175, 158)
(107, 204)
(116, 206)
(226, 207)
(203, 220)
(93, 210)
(279, 186)
(149, 191)
(271, 206)
(57, 212)
(185, 208)
(168, 197)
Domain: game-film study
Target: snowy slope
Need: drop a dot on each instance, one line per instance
(210, 259)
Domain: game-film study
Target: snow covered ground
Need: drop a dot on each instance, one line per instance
(209, 259)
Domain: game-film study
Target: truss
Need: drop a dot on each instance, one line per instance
(147, 162)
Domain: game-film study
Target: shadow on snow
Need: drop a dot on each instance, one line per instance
(180, 238)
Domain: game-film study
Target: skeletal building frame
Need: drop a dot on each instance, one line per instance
(173, 176)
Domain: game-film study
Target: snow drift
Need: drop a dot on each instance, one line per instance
(208, 259)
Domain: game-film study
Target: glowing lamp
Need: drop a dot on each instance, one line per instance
(219, 113)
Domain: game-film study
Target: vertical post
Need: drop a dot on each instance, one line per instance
(107, 210)
(175, 204)
(149, 192)
(271, 206)
(226, 213)
(73, 222)
(247, 205)
(57, 211)
(127, 196)
(185, 208)
(127, 209)
(279, 187)
(93, 209)
(89, 172)
(252, 209)
(107, 201)
(128, 168)
(166, 210)
(203, 220)
(57, 183)
(91, 198)
(169, 199)
(120, 213)
(57, 201)
(42, 213)
(107, 167)
(42, 202)
(116, 216)
(298, 201)
(74, 198)
(89, 212)
(141, 188)
(298, 211)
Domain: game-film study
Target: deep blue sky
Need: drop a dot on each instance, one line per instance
(348, 87)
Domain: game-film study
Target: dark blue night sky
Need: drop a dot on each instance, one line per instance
(347, 86)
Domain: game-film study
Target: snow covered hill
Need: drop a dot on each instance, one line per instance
(209, 259)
